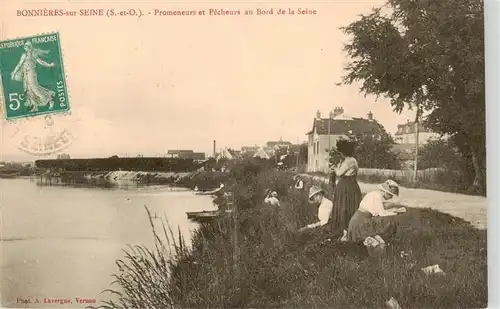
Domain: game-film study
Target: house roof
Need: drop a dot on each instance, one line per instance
(343, 126)
(261, 154)
(279, 143)
(410, 128)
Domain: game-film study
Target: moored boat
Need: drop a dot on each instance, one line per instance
(206, 214)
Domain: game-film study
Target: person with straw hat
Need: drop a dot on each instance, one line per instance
(272, 198)
(325, 206)
(372, 219)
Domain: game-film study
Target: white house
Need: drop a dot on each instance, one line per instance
(406, 134)
(326, 131)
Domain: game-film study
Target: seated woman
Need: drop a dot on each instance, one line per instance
(272, 198)
(325, 206)
(372, 219)
(299, 184)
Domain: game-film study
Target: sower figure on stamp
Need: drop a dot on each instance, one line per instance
(25, 72)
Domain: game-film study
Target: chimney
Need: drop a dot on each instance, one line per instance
(318, 114)
(332, 115)
(337, 111)
(370, 115)
(214, 149)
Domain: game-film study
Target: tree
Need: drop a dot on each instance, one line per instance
(440, 153)
(303, 153)
(427, 55)
(371, 152)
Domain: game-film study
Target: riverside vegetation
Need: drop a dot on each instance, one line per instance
(255, 258)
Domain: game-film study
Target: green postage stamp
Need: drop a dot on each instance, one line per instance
(32, 77)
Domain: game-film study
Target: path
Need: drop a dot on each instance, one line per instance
(468, 207)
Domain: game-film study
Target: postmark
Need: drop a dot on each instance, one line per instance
(32, 77)
(41, 136)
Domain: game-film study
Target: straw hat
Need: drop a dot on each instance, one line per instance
(391, 187)
(314, 190)
(274, 194)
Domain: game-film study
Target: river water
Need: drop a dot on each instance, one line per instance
(62, 241)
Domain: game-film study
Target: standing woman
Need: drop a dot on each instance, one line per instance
(347, 194)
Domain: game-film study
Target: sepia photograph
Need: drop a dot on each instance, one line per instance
(253, 154)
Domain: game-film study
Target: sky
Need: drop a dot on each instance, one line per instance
(146, 85)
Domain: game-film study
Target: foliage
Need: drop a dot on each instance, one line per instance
(428, 55)
(440, 153)
(303, 153)
(255, 259)
(63, 156)
(371, 152)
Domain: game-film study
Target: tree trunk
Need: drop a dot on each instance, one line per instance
(478, 185)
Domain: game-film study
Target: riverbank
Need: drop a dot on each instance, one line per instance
(205, 180)
(255, 258)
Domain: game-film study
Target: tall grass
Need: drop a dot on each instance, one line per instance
(256, 259)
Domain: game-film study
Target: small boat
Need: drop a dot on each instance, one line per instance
(211, 192)
(206, 214)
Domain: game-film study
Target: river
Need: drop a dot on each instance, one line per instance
(62, 241)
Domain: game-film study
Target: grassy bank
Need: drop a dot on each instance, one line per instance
(255, 259)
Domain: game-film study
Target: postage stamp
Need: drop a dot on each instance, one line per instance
(32, 78)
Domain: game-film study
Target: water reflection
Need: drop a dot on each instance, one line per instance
(62, 239)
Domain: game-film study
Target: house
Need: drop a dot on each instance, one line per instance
(249, 151)
(228, 154)
(186, 154)
(261, 153)
(181, 154)
(326, 131)
(406, 134)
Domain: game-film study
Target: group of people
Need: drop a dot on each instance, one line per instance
(349, 215)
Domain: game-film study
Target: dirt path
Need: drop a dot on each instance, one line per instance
(468, 207)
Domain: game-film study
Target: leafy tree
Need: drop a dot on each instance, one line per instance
(303, 153)
(427, 55)
(440, 153)
(63, 156)
(371, 152)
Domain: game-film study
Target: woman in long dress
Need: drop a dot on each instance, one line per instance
(347, 194)
(25, 72)
(372, 219)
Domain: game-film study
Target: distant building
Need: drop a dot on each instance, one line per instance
(228, 154)
(406, 134)
(181, 154)
(261, 153)
(249, 151)
(186, 154)
(326, 131)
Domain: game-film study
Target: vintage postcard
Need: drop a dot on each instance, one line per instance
(259, 154)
